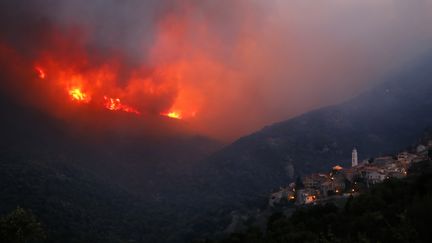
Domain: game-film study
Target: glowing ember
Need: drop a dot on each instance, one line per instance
(41, 73)
(114, 104)
(173, 114)
(77, 95)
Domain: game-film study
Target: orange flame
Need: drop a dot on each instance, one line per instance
(79, 89)
(78, 95)
(74, 76)
(173, 114)
(114, 104)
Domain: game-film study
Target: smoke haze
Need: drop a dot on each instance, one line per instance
(227, 67)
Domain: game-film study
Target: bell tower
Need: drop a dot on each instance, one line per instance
(354, 156)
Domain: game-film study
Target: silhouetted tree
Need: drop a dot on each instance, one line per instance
(21, 226)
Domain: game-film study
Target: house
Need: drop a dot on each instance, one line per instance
(422, 154)
(287, 193)
(374, 177)
(397, 174)
(327, 187)
(351, 173)
(383, 160)
(314, 181)
(307, 196)
(334, 184)
(390, 167)
(406, 158)
(421, 148)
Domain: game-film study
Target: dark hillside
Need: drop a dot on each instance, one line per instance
(383, 120)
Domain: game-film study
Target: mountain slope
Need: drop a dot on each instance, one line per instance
(385, 119)
(121, 147)
(74, 205)
(95, 185)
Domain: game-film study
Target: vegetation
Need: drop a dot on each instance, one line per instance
(71, 205)
(21, 226)
(394, 211)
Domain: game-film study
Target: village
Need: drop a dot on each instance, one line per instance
(342, 182)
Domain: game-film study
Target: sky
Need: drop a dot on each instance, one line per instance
(226, 67)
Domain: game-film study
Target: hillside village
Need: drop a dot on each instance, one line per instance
(342, 182)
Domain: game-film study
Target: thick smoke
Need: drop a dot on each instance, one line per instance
(229, 66)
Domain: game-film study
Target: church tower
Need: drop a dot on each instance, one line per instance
(354, 161)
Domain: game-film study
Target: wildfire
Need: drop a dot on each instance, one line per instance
(114, 104)
(78, 95)
(41, 73)
(98, 85)
(173, 115)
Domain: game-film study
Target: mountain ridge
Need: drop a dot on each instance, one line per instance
(379, 121)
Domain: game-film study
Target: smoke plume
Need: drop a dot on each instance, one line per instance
(224, 67)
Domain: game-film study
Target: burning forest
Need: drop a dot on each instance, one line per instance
(66, 73)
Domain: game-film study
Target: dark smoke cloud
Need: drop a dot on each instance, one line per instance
(247, 63)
